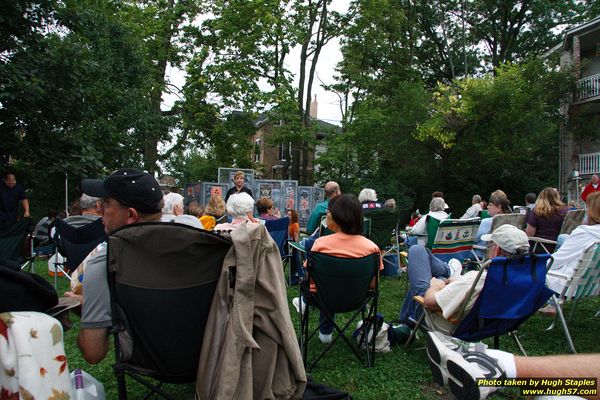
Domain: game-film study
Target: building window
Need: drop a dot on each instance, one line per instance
(283, 151)
(257, 150)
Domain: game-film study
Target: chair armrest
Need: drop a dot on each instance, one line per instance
(297, 246)
(541, 240)
(421, 301)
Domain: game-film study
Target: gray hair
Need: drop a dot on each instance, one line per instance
(239, 205)
(390, 203)
(437, 204)
(476, 199)
(171, 201)
(87, 202)
(367, 195)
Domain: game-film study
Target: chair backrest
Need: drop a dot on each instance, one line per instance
(162, 280)
(572, 220)
(278, 229)
(454, 238)
(586, 276)
(517, 220)
(76, 243)
(383, 223)
(520, 209)
(432, 227)
(342, 283)
(514, 289)
(12, 238)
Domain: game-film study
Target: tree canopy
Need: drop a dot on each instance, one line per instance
(441, 95)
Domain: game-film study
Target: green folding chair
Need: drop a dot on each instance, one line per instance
(343, 285)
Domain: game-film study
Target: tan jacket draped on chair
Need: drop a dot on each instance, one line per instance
(250, 348)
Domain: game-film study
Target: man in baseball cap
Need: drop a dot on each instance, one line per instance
(441, 284)
(128, 196)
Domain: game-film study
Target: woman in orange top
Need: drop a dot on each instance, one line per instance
(294, 228)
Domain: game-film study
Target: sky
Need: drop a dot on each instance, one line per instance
(328, 102)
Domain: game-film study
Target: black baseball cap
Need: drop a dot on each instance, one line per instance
(131, 187)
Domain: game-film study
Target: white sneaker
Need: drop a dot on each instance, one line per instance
(325, 338)
(441, 348)
(461, 368)
(456, 267)
(296, 303)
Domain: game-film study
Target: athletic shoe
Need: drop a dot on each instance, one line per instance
(325, 338)
(456, 267)
(296, 303)
(438, 357)
(548, 310)
(454, 362)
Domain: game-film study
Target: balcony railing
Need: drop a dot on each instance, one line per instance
(588, 87)
(589, 163)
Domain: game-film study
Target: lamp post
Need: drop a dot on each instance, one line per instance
(576, 177)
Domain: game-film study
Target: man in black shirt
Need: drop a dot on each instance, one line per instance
(11, 194)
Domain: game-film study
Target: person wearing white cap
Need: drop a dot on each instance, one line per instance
(442, 285)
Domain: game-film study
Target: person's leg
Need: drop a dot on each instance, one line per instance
(422, 266)
(573, 365)
(326, 330)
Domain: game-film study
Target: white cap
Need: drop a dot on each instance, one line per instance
(508, 237)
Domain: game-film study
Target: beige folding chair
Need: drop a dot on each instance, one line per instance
(582, 283)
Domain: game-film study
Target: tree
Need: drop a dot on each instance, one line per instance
(498, 131)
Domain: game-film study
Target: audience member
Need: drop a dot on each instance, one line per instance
(368, 200)
(474, 209)
(567, 256)
(390, 203)
(215, 210)
(11, 194)
(439, 194)
(239, 207)
(547, 217)
(460, 364)
(264, 206)
(294, 228)
(345, 219)
(414, 218)
(75, 208)
(173, 211)
(498, 204)
(332, 189)
(90, 210)
(129, 196)
(195, 209)
(239, 187)
(419, 231)
(591, 187)
(442, 285)
(40, 232)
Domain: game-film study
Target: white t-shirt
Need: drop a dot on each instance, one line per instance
(565, 258)
(451, 297)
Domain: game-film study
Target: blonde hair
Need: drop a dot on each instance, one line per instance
(216, 206)
(239, 173)
(548, 203)
(593, 210)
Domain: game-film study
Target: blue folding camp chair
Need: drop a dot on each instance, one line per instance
(75, 244)
(514, 289)
(278, 229)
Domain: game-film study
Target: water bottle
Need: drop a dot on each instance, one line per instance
(86, 387)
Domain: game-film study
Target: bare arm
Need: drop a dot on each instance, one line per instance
(93, 343)
(25, 203)
(429, 298)
(530, 230)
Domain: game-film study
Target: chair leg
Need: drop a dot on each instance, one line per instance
(413, 332)
(121, 384)
(519, 345)
(561, 317)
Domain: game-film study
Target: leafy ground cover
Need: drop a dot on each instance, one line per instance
(400, 374)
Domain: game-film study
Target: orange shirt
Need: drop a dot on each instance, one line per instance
(347, 246)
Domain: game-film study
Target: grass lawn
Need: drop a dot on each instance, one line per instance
(401, 373)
